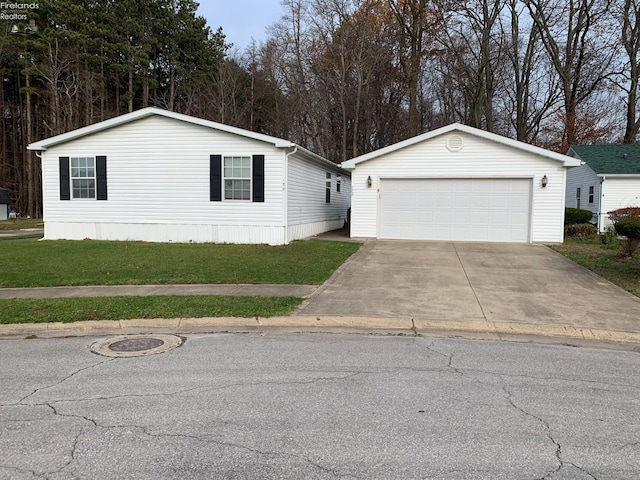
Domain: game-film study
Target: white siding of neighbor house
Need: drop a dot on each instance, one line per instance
(479, 158)
(307, 211)
(618, 192)
(158, 187)
(583, 177)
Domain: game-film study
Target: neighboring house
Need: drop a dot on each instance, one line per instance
(5, 202)
(608, 179)
(159, 176)
(459, 183)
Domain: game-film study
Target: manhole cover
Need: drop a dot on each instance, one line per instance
(136, 345)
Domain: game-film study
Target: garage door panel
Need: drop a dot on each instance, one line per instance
(455, 209)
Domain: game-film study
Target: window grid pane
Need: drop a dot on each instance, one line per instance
(83, 177)
(237, 178)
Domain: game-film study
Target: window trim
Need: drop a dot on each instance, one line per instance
(578, 193)
(224, 179)
(72, 178)
(591, 194)
(327, 193)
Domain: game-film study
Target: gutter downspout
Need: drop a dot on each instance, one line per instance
(600, 219)
(285, 194)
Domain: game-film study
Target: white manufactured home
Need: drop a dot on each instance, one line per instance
(459, 183)
(607, 179)
(159, 176)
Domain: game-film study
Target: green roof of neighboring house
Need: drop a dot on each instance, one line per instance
(610, 159)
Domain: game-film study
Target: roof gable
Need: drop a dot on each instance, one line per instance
(610, 159)
(566, 160)
(146, 112)
(150, 111)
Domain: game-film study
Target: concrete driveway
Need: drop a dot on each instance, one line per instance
(493, 282)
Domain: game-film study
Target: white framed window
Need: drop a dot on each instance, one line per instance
(591, 194)
(327, 196)
(83, 177)
(237, 178)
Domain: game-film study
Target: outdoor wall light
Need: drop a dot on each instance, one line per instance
(544, 181)
(369, 182)
(339, 179)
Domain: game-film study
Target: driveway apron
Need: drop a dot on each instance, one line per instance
(496, 282)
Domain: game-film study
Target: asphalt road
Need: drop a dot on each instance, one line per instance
(319, 406)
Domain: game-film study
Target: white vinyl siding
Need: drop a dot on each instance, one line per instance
(160, 187)
(479, 158)
(618, 192)
(307, 210)
(159, 175)
(583, 177)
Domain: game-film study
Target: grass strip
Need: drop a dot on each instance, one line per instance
(603, 260)
(122, 308)
(92, 262)
(21, 223)
(21, 237)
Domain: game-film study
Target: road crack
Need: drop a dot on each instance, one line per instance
(547, 429)
(60, 382)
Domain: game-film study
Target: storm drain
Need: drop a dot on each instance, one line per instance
(136, 345)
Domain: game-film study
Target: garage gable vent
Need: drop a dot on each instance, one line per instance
(455, 143)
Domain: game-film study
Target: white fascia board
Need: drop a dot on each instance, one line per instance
(146, 112)
(566, 160)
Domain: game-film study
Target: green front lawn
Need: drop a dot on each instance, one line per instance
(602, 259)
(123, 308)
(21, 223)
(92, 262)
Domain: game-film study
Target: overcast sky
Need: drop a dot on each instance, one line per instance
(241, 19)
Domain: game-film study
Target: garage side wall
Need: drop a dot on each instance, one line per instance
(479, 158)
(158, 187)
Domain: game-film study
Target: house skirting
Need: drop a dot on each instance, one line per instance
(165, 232)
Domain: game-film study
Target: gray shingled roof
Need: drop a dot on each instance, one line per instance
(4, 197)
(610, 159)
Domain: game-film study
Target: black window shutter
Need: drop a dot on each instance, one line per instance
(215, 178)
(101, 177)
(65, 187)
(258, 178)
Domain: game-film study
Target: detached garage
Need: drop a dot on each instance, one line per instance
(459, 183)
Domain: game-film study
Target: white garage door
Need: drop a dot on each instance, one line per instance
(480, 210)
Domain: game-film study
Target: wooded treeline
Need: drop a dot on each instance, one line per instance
(340, 77)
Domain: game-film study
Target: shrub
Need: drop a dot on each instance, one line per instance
(610, 238)
(630, 228)
(622, 213)
(581, 231)
(576, 215)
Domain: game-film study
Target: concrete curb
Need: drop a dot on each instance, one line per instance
(300, 324)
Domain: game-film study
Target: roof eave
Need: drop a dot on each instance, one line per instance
(619, 175)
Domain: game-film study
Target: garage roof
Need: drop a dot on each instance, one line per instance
(566, 160)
